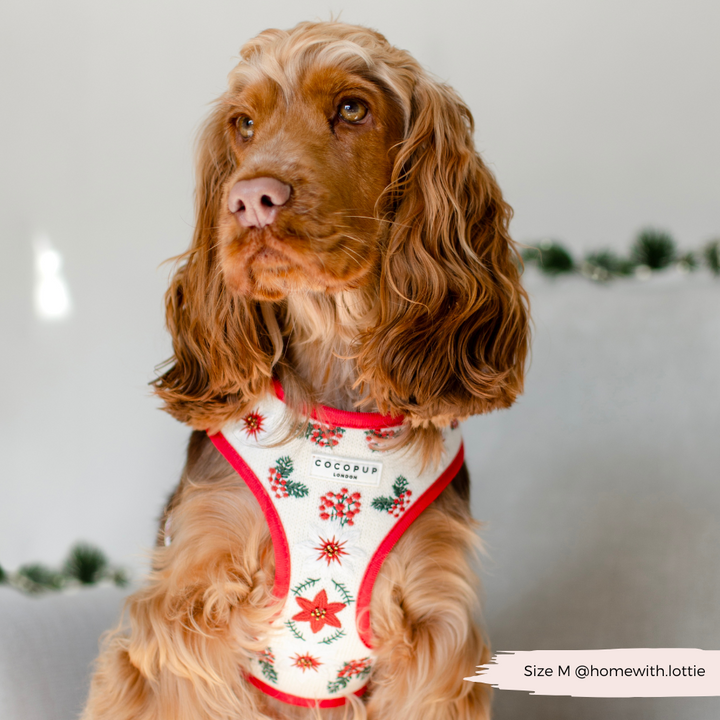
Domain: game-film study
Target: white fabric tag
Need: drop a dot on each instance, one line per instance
(348, 471)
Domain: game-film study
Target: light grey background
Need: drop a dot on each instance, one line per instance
(599, 489)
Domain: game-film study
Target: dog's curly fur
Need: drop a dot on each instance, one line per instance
(388, 282)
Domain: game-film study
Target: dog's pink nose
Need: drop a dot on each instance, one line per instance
(255, 202)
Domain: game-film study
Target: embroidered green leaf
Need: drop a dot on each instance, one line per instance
(293, 629)
(382, 503)
(268, 671)
(296, 489)
(344, 592)
(400, 486)
(339, 684)
(332, 638)
(304, 585)
(284, 465)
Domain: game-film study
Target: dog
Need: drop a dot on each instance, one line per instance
(351, 282)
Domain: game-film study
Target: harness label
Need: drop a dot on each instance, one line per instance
(345, 470)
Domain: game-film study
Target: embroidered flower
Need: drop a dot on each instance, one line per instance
(454, 424)
(331, 550)
(374, 438)
(253, 424)
(319, 612)
(324, 435)
(313, 558)
(396, 505)
(306, 662)
(342, 506)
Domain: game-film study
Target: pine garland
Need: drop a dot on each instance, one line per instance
(84, 565)
(652, 250)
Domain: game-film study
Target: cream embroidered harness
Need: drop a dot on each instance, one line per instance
(335, 505)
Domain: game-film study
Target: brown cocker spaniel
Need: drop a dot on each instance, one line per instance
(352, 251)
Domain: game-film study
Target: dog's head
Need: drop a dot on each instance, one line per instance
(334, 163)
(309, 128)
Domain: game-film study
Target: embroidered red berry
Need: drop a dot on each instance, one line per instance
(324, 435)
(374, 438)
(280, 482)
(396, 505)
(341, 506)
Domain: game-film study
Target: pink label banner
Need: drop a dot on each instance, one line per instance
(622, 672)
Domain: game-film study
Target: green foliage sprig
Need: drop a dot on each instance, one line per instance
(652, 250)
(84, 565)
(711, 254)
(551, 257)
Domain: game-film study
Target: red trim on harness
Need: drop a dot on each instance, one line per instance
(281, 548)
(412, 513)
(299, 701)
(345, 418)
(277, 531)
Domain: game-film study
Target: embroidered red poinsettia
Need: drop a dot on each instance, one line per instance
(306, 662)
(253, 423)
(342, 506)
(331, 550)
(319, 612)
(324, 435)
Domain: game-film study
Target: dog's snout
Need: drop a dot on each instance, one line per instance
(255, 202)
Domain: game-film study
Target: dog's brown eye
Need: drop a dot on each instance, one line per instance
(245, 126)
(353, 111)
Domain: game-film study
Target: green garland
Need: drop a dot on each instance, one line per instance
(85, 565)
(652, 250)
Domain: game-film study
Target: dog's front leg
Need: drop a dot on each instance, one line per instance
(203, 613)
(422, 616)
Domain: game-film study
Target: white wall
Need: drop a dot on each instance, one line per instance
(599, 489)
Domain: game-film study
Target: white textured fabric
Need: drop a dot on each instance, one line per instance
(341, 503)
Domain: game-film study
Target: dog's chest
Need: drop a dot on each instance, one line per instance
(335, 503)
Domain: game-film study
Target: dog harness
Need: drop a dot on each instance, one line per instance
(335, 503)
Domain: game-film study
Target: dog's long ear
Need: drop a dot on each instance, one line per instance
(222, 350)
(453, 332)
